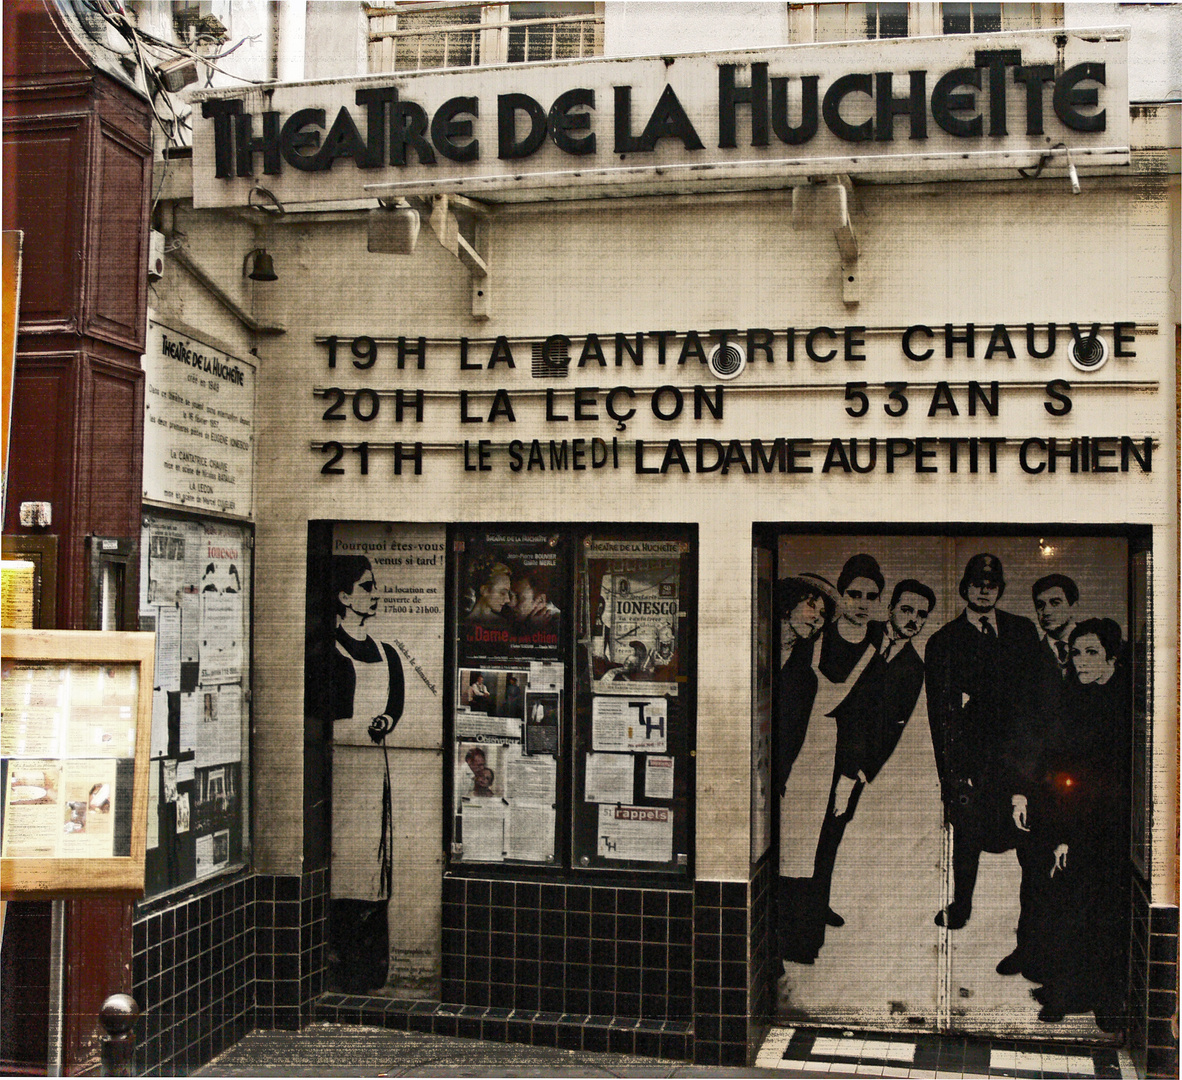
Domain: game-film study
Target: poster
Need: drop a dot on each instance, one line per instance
(223, 628)
(935, 696)
(634, 595)
(658, 777)
(509, 587)
(385, 622)
(634, 723)
(216, 810)
(34, 708)
(32, 809)
(636, 833)
(67, 728)
(167, 561)
(484, 834)
(197, 596)
(608, 778)
(543, 713)
(498, 768)
(60, 808)
(198, 425)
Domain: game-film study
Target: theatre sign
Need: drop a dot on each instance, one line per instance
(927, 106)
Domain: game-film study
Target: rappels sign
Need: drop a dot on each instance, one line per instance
(925, 106)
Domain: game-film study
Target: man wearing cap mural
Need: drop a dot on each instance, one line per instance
(980, 675)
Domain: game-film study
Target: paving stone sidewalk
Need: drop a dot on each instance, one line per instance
(349, 1050)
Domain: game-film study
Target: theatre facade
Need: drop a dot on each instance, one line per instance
(602, 575)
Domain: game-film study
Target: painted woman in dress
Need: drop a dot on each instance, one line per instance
(1078, 829)
(806, 603)
(361, 692)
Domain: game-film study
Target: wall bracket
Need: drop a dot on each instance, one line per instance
(453, 219)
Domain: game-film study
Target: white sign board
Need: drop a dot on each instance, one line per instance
(198, 425)
(926, 106)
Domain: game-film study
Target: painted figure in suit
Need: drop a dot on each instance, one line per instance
(979, 695)
(870, 721)
(1054, 597)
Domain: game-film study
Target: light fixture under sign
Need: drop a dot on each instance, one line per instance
(392, 228)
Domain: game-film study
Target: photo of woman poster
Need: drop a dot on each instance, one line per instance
(942, 714)
(374, 671)
(510, 587)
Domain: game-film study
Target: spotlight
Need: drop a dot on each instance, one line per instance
(261, 267)
(393, 228)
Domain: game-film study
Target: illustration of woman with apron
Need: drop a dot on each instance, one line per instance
(364, 700)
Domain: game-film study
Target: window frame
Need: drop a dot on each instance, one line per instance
(492, 37)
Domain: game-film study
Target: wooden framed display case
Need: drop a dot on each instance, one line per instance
(77, 719)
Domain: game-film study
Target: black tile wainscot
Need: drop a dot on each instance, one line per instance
(222, 958)
(1153, 994)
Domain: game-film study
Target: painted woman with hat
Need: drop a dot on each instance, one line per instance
(805, 603)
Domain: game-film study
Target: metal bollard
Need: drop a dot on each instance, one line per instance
(118, 1015)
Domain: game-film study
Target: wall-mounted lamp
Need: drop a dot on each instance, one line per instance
(393, 228)
(258, 266)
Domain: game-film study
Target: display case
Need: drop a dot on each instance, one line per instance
(74, 761)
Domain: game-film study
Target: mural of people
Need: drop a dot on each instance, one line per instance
(359, 687)
(880, 675)
(1028, 720)
(870, 721)
(1055, 597)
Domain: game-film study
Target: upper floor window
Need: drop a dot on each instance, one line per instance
(415, 36)
(850, 22)
(861, 22)
(992, 18)
(972, 18)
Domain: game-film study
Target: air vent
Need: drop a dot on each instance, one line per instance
(550, 360)
(727, 361)
(1089, 354)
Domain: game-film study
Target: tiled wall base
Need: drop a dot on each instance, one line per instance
(641, 968)
(1153, 994)
(222, 958)
(670, 1039)
(193, 975)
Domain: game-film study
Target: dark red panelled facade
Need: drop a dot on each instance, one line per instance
(77, 183)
